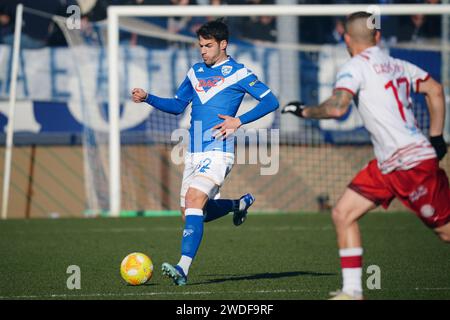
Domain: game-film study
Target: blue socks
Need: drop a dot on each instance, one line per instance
(193, 228)
(192, 237)
(216, 209)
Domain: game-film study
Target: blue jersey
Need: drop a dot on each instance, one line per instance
(215, 90)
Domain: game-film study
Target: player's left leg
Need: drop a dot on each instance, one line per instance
(215, 166)
(425, 189)
(216, 209)
(443, 232)
(240, 214)
(443, 202)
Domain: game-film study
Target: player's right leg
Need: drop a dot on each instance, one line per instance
(183, 216)
(349, 209)
(364, 193)
(191, 204)
(195, 200)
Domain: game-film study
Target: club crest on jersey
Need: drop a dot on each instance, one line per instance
(207, 83)
(226, 70)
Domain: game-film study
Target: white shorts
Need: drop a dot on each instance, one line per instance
(205, 171)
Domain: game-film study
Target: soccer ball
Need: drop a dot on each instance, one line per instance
(136, 268)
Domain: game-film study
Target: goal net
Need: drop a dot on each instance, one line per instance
(133, 153)
(316, 158)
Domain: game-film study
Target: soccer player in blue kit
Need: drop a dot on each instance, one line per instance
(216, 88)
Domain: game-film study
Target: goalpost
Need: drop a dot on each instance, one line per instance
(12, 103)
(116, 12)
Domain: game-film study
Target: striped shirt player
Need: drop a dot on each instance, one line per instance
(406, 164)
(216, 88)
(382, 86)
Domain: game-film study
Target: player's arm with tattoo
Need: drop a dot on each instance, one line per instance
(334, 107)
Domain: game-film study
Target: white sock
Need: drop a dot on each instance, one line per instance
(352, 281)
(185, 263)
(352, 275)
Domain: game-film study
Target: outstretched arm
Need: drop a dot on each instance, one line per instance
(434, 96)
(334, 107)
(173, 106)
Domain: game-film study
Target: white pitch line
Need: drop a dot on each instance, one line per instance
(98, 295)
(93, 295)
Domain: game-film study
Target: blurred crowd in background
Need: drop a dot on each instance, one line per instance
(40, 32)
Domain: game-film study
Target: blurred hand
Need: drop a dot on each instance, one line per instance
(294, 107)
(138, 95)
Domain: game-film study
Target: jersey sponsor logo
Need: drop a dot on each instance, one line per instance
(208, 87)
(207, 83)
(251, 84)
(226, 70)
(200, 69)
(418, 193)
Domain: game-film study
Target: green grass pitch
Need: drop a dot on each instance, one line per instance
(276, 256)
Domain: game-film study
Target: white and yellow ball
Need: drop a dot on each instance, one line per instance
(136, 268)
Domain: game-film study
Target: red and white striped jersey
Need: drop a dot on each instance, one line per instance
(381, 86)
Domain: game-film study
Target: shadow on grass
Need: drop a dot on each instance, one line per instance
(147, 284)
(260, 276)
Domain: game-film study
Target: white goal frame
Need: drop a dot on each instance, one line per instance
(115, 12)
(11, 109)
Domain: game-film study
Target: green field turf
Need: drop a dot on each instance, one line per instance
(277, 256)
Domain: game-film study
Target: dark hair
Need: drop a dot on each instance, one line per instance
(214, 29)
